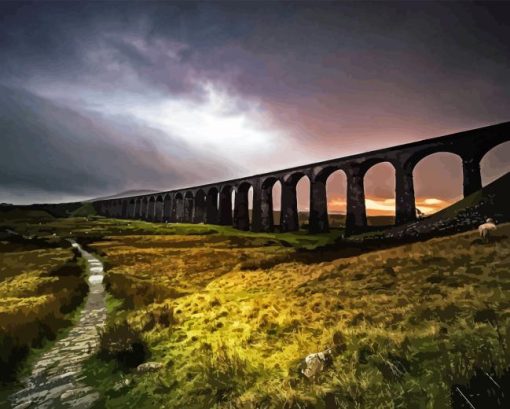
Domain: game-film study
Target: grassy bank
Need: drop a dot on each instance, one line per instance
(41, 283)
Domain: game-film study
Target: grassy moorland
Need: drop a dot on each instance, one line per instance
(231, 317)
(231, 314)
(41, 283)
(337, 220)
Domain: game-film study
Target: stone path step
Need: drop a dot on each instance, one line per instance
(55, 381)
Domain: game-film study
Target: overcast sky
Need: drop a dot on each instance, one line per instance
(98, 98)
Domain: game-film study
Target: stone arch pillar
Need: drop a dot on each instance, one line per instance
(138, 203)
(265, 196)
(318, 220)
(180, 208)
(200, 210)
(225, 206)
(133, 210)
(256, 211)
(174, 216)
(143, 208)
(188, 208)
(167, 208)
(356, 211)
(140, 208)
(471, 171)
(158, 209)
(212, 207)
(123, 209)
(289, 211)
(405, 206)
(241, 211)
(151, 206)
(266, 209)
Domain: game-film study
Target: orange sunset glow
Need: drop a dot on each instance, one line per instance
(377, 206)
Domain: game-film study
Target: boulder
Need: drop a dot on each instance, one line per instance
(149, 367)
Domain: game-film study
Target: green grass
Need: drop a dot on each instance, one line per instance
(83, 228)
(247, 314)
(113, 304)
(87, 209)
(24, 216)
(246, 309)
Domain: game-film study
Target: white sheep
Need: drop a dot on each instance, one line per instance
(486, 228)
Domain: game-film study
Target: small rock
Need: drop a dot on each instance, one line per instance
(314, 364)
(56, 392)
(68, 394)
(86, 401)
(121, 385)
(74, 393)
(61, 377)
(149, 367)
(24, 405)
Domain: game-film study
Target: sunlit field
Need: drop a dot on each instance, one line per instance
(409, 321)
(230, 315)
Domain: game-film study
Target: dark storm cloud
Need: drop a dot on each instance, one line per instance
(272, 50)
(75, 42)
(338, 77)
(46, 148)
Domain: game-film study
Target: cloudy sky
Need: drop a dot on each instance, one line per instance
(98, 98)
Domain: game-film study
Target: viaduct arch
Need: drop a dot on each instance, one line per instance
(212, 203)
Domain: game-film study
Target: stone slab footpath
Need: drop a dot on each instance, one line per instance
(55, 381)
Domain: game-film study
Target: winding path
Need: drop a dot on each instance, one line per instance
(55, 381)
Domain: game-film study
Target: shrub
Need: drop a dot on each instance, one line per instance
(225, 374)
(162, 315)
(264, 263)
(137, 292)
(122, 343)
(11, 352)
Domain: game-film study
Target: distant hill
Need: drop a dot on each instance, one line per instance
(127, 193)
(54, 209)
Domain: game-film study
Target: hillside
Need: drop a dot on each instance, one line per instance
(491, 201)
(8, 211)
(127, 193)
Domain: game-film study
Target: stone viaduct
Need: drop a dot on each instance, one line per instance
(212, 203)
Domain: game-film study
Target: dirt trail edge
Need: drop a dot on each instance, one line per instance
(55, 381)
